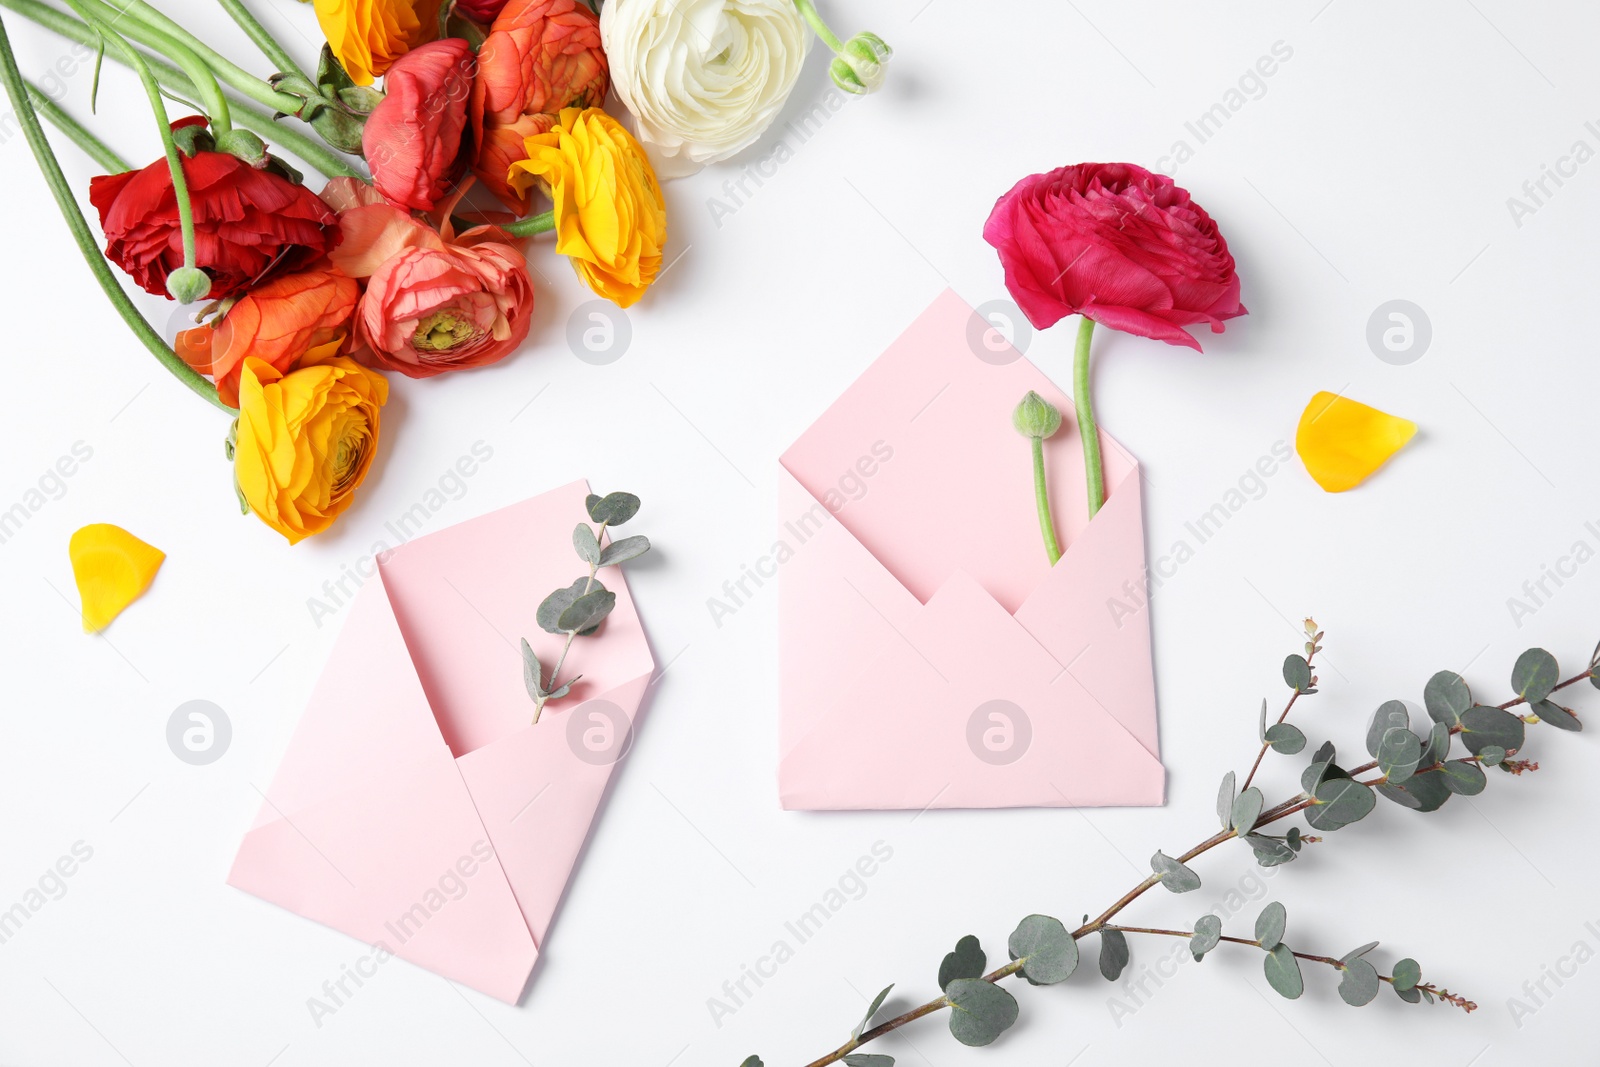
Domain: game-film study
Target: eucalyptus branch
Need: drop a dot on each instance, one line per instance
(1415, 773)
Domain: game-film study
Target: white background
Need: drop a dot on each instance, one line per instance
(1375, 165)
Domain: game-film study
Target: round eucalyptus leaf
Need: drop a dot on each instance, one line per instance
(1410, 996)
(979, 1011)
(1246, 810)
(1357, 953)
(1446, 696)
(1283, 972)
(1482, 726)
(1292, 838)
(1438, 745)
(1297, 673)
(1399, 795)
(613, 509)
(1048, 952)
(1174, 875)
(872, 1009)
(1225, 793)
(1113, 953)
(752, 1061)
(1556, 716)
(1491, 755)
(1358, 983)
(1407, 974)
(1270, 924)
(1269, 851)
(1390, 714)
(1285, 738)
(1398, 754)
(583, 540)
(1340, 802)
(587, 611)
(548, 615)
(1207, 932)
(1261, 728)
(1534, 675)
(1428, 790)
(868, 1059)
(967, 961)
(624, 550)
(532, 673)
(1462, 777)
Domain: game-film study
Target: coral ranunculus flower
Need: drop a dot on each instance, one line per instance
(304, 441)
(610, 218)
(540, 56)
(412, 140)
(246, 222)
(276, 323)
(369, 35)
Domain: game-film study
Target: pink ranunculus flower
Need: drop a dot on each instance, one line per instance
(433, 303)
(413, 139)
(1116, 244)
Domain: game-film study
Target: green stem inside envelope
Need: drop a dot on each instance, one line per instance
(1088, 430)
(1041, 498)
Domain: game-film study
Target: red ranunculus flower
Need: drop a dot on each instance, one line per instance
(480, 11)
(1117, 244)
(247, 222)
(413, 139)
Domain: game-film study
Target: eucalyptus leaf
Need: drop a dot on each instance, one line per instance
(550, 609)
(1390, 714)
(1113, 953)
(1483, 726)
(1207, 933)
(1398, 754)
(1446, 696)
(1297, 673)
(1491, 755)
(1225, 794)
(1270, 925)
(1246, 810)
(1261, 729)
(1438, 745)
(1048, 952)
(1403, 797)
(872, 1009)
(613, 509)
(1285, 738)
(1421, 792)
(1410, 996)
(1283, 972)
(1462, 777)
(532, 673)
(750, 1061)
(1357, 953)
(979, 1011)
(868, 1059)
(1556, 716)
(1321, 769)
(563, 691)
(624, 550)
(1292, 838)
(1340, 802)
(1358, 982)
(1174, 875)
(1406, 974)
(967, 961)
(1534, 675)
(1269, 851)
(588, 611)
(584, 541)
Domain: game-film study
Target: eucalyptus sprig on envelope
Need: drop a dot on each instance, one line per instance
(578, 610)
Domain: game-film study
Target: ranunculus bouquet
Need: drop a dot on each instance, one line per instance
(305, 299)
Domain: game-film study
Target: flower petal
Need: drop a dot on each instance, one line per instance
(1342, 441)
(113, 568)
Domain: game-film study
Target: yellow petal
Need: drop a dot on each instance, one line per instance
(113, 568)
(1342, 441)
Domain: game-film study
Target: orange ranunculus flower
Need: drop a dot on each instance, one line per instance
(609, 215)
(540, 56)
(304, 441)
(276, 323)
(368, 35)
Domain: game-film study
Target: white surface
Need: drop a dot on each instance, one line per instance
(1375, 166)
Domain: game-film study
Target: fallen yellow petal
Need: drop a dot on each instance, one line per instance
(113, 568)
(1342, 441)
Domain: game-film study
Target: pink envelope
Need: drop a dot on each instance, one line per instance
(930, 656)
(416, 808)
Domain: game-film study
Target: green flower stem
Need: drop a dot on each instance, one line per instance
(263, 40)
(1041, 498)
(280, 134)
(1087, 428)
(531, 225)
(17, 90)
(154, 30)
(180, 184)
(92, 146)
(808, 11)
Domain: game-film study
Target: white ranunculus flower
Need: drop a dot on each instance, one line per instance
(703, 78)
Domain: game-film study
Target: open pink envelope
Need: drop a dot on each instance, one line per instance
(416, 808)
(929, 655)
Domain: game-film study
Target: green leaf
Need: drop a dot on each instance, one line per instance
(1483, 726)
(1321, 769)
(564, 690)
(1491, 755)
(1113, 952)
(1358, 983)
(1246, 810)
(1174, 875)
(1422, 792)
(867, 1059)
(1356, 953)
(967, 961)
(583, 540)
(624, 550)
(1285, 738)
(1398, 754)
(1207, 932)
(1270, 924)
(1340, 802)
(588, 611)
(1556, 716)
(613, 509)
(1446, 696)
(1535, 675)
(532, 673)
(550, 609)
(979, 1011)
(1438, 745)
(872, 1009)
(1261, 730)
(1463, 777)
(1269, 851)
(1406, 974)
(1390, 714)
(1283, 972)
(1292, 838)
(1225, 794)
(1410, 996)
(750, 1061)
(1297, 673)
(1048, 952)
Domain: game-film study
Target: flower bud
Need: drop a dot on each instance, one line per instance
(188, 284)
(1036, 417)
(242, 144)
(859, 66)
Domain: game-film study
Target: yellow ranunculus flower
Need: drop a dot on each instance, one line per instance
(305, 440)
(610, 218)
(368, 35)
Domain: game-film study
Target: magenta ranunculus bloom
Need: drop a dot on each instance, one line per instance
(1117, 244)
